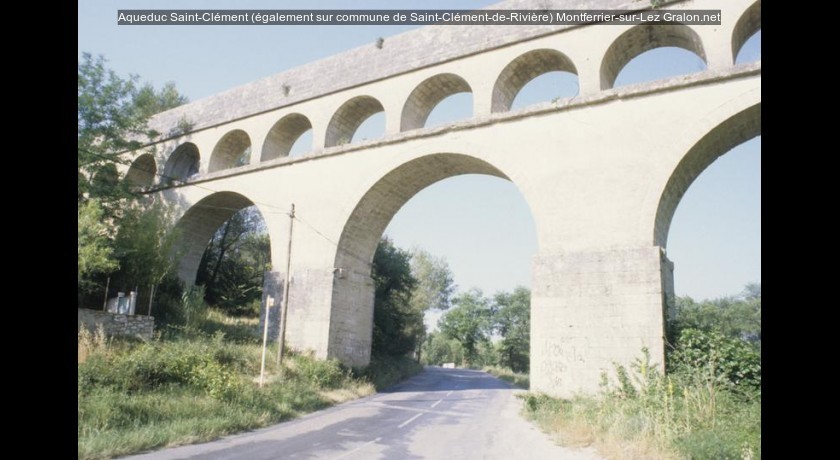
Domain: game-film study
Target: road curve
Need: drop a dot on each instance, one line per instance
(450, 414)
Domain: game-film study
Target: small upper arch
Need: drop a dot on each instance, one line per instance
(645, 37)
(525, 68)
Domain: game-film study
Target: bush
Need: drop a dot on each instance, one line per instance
(323, 374)
(642, 413)
(709, 355)
(384, 370)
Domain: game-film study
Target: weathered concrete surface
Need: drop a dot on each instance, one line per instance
(602, 172)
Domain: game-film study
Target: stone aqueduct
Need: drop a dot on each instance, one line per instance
(602, 172)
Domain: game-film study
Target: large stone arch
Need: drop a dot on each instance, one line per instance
(196, 227)
(427, 95)
(347, 119)
(522, 70)
(729, 133)
(283, 135)
(748, 24)
(351, 315)
(142, 171)
(182, 163)
(645, 37)
(230, 148)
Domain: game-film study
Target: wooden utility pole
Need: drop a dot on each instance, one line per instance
(285, 309)
(105, 303)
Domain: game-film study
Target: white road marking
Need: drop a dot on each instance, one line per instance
(438, 402)
(450, 392)
(409, 420)
(358, 448)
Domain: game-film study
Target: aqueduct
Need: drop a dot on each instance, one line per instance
(602, 172)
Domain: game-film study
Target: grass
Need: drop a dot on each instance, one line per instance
(654, 416)
(189, 386)
(519, 379)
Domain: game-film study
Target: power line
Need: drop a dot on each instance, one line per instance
(269, 205)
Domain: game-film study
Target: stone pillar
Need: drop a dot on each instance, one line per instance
(351, 322)
(591, 309)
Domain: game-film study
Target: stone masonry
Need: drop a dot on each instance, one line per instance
(116, 324)
(602, 172)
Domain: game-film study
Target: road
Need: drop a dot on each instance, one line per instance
(451, 414)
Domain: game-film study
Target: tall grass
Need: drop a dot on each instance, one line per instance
(520, 379)
(189, 385)
(645, 414)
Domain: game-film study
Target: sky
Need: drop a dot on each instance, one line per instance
(481, 224)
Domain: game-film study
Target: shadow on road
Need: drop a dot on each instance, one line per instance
(434, 378)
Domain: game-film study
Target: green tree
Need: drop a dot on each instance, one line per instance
(397, 326)
(112, 123)
(96, 254)
(233, 264)
(434, 281)
(734, 316)
(469, 321)
(512, 321)
(434, 287)
(144, 245)
(440, 348)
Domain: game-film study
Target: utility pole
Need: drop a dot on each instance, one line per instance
(285, 309)
(105, 303)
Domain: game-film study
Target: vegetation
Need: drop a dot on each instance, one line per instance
(233, 265)
(197, 379)
(407, 285)
(707, 405)
(196, 383)
(124, 239)
(481, 331)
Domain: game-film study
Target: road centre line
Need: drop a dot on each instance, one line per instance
(409, 420)
(346, 454)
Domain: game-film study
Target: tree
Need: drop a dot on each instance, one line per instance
(440, 348)
(434, 287)
(469, 321)
(144, 245)
(96, 254)
(434, 281)
(397, 326)
(112, 121)
(512, 321)
(232, 266)
(734, 316)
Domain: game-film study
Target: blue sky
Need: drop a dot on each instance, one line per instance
(481, 224)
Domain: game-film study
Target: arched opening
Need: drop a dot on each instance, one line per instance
(198, 226)
(142, 171)
(734, 131)
(537, 76)
(448, 95)
(657, 42)
(717, 250)
(348, 119)
(431, 179)
(106, 177)
(182, 164)
(284, 137)
(746, 38)
(232, 150)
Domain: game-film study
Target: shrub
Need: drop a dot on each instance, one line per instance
(709, 355)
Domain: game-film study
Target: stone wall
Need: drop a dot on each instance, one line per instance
(115, 324)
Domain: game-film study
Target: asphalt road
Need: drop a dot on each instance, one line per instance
(450, 414)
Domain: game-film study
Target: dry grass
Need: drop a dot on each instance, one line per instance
(91, 343)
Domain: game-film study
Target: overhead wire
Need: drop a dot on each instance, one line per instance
(209, 189)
